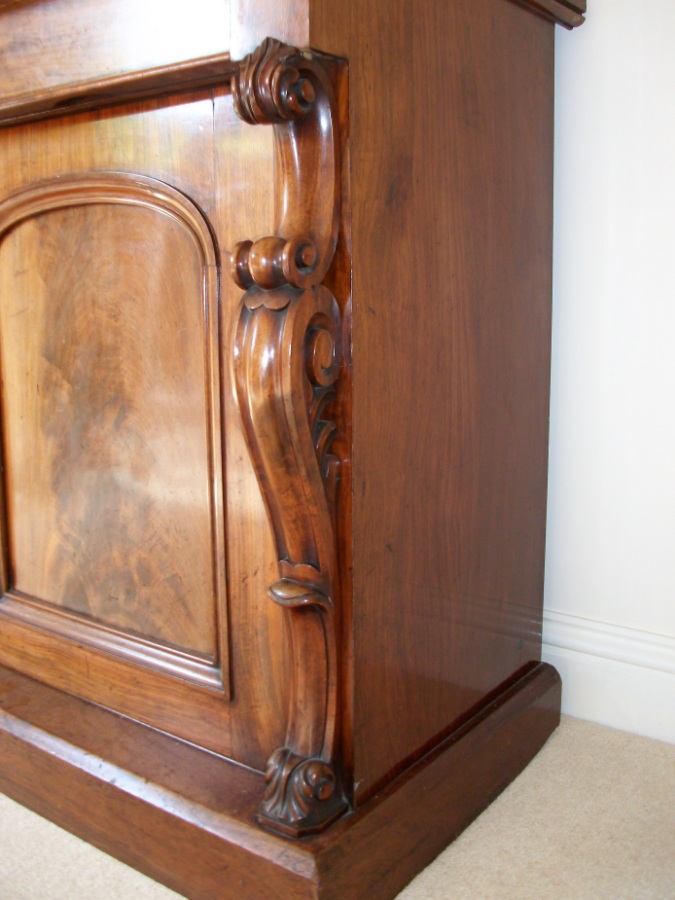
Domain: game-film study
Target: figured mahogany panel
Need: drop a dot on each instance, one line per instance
(187, 142)
(106, 417)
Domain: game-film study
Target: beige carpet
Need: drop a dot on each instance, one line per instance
(591, 818)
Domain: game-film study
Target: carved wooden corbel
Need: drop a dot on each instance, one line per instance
(287, 360)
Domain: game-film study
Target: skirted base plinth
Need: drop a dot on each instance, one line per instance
(188, 818)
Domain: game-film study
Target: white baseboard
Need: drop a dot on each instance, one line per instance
(617, 676)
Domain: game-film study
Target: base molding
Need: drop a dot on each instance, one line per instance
(187, 818)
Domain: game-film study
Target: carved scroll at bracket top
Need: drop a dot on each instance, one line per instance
(269, 87)
(292, 90)
(287, 362)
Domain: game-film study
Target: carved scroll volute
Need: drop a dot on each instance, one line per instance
(287, 361)
(281, 86)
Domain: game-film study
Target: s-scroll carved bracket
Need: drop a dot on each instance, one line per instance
(287, 361)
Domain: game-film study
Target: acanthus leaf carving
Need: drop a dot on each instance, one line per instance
(269, 87)
(296, 787)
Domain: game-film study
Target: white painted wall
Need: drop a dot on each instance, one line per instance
(610, 584)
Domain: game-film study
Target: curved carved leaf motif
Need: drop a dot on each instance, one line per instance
(283, 390)
(269, 88)
(304, 785)
(287, 362)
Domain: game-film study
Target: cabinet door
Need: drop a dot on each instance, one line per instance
(117, 416)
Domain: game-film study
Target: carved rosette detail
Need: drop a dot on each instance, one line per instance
(287, 362)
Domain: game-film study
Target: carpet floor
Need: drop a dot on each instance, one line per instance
(591, 818)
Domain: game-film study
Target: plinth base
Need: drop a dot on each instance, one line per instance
(187, 818)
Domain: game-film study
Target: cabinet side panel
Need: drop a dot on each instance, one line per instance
(451, 128)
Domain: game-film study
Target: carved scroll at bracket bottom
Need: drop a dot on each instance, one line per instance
(287, 361)
(303, 796)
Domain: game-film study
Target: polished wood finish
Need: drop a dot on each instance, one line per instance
(69, 43)
(121, 531)
(63, 99)
(172, 141)
(287, 360)
(451, 235)
(194, 815)
(290, 522)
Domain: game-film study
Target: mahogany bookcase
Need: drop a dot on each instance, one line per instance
(274, 345)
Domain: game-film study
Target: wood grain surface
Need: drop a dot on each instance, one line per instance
(451, 167)
(70, 41)
(193, 814)
(107, 445)
(185, 143)
(171, 450)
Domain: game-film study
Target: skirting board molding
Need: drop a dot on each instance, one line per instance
(617, 676)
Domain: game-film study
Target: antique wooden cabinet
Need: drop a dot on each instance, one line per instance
(274, 346)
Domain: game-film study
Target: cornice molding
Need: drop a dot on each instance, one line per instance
(569, 13)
